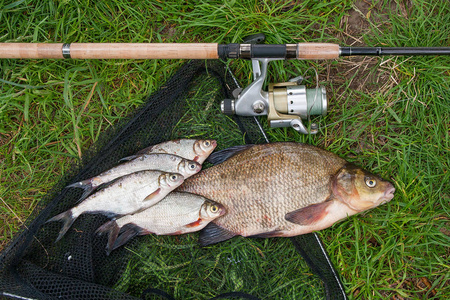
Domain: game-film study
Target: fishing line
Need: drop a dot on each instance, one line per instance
(317, 87)
(330, 265)
(261, 129)
(16, 296)
(308, 114)
(227, 70)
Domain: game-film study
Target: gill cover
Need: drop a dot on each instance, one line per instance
(358, 189)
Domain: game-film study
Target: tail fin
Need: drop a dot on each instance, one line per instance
(86, 185)
(68, 220)
(112, 229)
(128, 231)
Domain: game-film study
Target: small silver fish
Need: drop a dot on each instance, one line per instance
(177, 213)
(196, 150)
(126, 195)
(161, 162)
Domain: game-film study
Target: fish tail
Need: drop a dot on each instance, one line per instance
(127, 232)
(68, 220)
(112, 229)
(86, 185)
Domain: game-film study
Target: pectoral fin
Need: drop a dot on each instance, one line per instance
(308, 215)
(152, 195)
(195, 223)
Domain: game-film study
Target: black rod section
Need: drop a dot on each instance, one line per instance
(379, 51)
(249, 51)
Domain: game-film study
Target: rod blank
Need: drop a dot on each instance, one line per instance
(380, 51)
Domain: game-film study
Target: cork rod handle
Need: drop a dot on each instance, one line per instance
(110, 50)
(317, 51)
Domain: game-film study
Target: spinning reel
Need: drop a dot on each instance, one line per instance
(285, 104)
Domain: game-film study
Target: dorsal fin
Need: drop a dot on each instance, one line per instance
(222, 155)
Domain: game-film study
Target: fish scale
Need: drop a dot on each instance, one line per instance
(260, 185)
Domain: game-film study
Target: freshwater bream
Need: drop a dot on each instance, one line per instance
(126, 195)
(177, 213)
(196, 150)
(161, 162)
(283, 189)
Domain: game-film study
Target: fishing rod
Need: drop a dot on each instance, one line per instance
(285, 104)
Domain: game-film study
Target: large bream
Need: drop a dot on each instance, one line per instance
(283, 189)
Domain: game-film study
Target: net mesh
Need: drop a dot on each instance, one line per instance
(162, 267)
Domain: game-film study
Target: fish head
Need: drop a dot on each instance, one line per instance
(188, 168)
(203, 148)
(211, 210)
(170, 180)
(360, 190)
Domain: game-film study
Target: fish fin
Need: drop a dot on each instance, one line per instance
(68, 220)
(112, 229)
(219, 157)
(86, 185)
(195, 223)
(308, 215)
(152, 195)
(275, 233)
(128, 158)
(127, 232)
(139, 153)
(213, 234)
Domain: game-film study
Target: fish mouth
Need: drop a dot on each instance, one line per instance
(388, 194)
(222, 210)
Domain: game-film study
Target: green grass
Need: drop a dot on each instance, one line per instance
(390, 115)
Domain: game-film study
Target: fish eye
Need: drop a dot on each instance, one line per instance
(207, 143)
(174, 177)
(214, 208)
(371, 182)
(192, 166)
